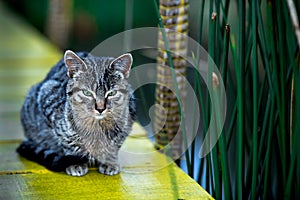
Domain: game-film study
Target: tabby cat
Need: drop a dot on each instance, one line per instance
(79, 115)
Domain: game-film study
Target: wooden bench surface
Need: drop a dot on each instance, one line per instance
(25, 58)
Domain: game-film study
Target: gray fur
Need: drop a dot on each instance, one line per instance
(58, 115)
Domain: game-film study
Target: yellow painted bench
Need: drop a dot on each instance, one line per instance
(156, 178)
(25, 57)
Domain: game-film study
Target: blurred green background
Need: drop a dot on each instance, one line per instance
(92, 21)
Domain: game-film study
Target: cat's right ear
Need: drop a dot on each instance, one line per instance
(73, 63)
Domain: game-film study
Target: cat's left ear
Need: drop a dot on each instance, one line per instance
(122, 64)
(73, 63)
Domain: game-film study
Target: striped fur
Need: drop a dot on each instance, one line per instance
(79, 115)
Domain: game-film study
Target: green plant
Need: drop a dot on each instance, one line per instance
(256, 155)
(265, 59)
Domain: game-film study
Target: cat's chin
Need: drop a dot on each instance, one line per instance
(99, 117)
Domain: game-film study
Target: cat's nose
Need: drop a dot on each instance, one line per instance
(100, 106)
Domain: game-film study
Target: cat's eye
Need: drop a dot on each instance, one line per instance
(112, 93)
(87, 93)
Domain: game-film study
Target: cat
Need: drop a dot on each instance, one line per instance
(80, 114)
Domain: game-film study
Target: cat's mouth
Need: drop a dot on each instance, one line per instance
(100, 115)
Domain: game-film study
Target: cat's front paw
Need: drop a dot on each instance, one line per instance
(109, 169)
(77, 170)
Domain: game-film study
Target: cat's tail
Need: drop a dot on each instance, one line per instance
(48, 158)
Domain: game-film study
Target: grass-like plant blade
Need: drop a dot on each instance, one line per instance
(295, 153)
(239, 70)
(255, 99)
(222, 139)
(211, 52)
(282, 75)
(198, 88)
(268, 151)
